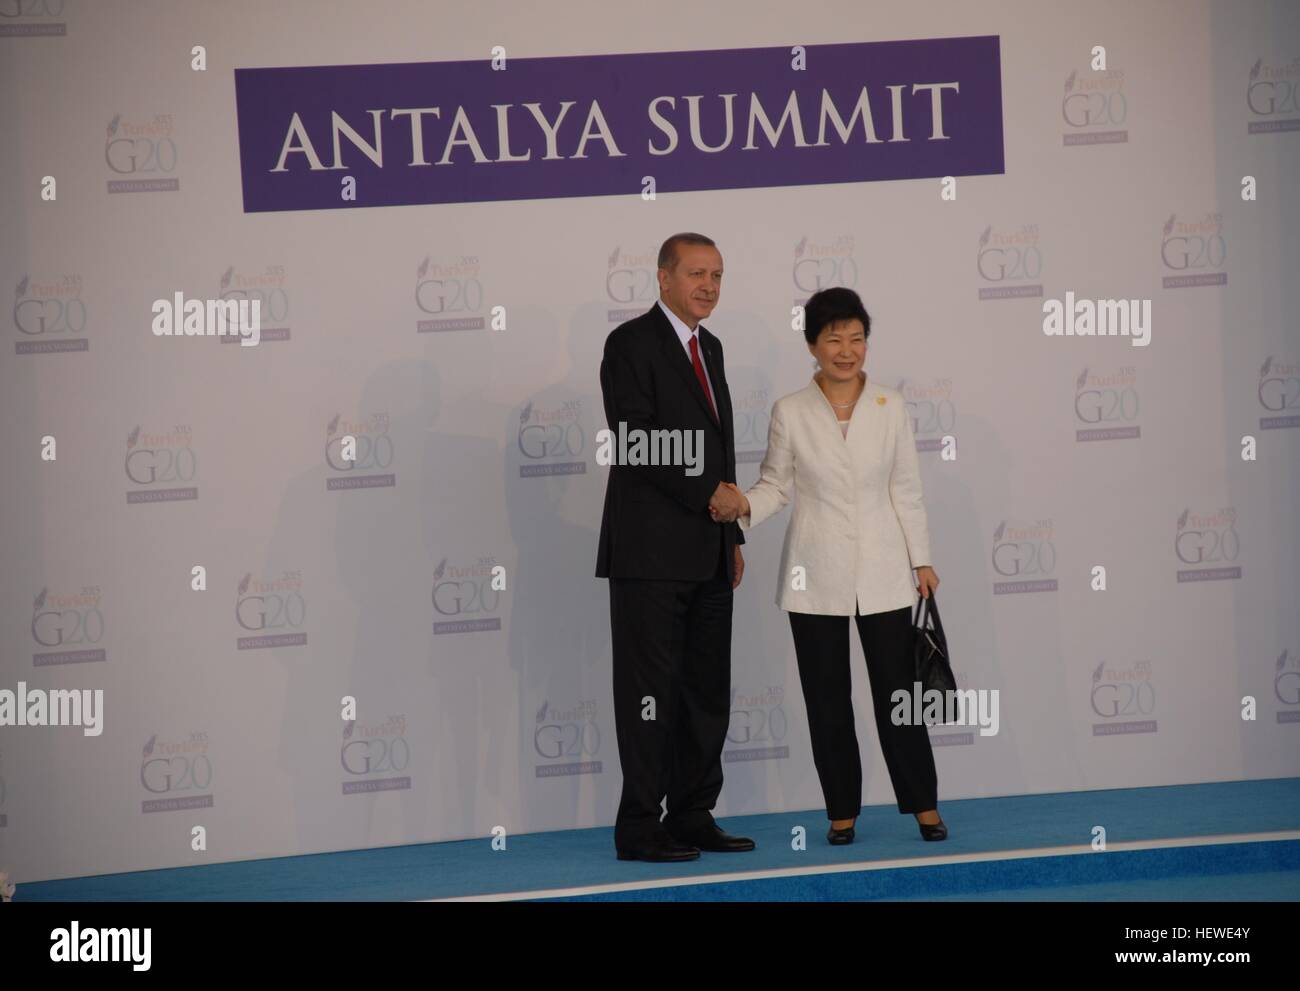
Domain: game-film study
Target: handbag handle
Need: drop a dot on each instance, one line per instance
(934, 615)
(927, 609)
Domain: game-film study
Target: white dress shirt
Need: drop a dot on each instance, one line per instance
(684, 334)
(858, 526)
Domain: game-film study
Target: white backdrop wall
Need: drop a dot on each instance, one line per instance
(506, 719)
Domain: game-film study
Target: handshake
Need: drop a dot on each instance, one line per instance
(727, 503)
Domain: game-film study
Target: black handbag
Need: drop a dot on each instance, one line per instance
(931, 666)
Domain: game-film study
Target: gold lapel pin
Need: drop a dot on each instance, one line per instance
(880, 400)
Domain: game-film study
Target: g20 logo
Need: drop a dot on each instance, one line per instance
(1091, 109)
(1266, 97)
(750, 428)
(180, 773)
(1098, 405)
(1014, 262)
(59, 627)
(1125, 698)
(554, 440)
(627, 285)
(1286, 686)
(50, 316)
(1200, 546)
(145, 465)
(373, 451)
(274, 301)
(1196, 251)
(31, 8)
(375, 755)
(129, 156)
(930, 416)
(567, 739)
(449, 295)
(1277, 393)
(812, 274)
(275, 611)
(1024, 557)
(467, 597)
(757, 724)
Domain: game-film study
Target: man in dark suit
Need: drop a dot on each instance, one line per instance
(671, 568)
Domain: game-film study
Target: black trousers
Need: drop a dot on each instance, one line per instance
(821, 645)
(671, 642)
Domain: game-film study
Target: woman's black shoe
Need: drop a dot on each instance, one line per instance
(838, 837)
(936, 832)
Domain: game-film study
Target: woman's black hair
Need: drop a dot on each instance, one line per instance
(829, 306)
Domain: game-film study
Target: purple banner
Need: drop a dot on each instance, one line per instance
(595, 125)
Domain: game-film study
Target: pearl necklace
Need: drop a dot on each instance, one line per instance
(846, 405)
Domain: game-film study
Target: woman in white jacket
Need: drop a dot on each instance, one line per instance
(843, 448)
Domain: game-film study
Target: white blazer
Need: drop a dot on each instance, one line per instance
(858, 525)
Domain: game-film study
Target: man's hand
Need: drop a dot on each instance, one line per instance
(727, 503)
(740, 567)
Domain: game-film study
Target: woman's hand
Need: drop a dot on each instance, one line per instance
(926, 580)
(744, 503)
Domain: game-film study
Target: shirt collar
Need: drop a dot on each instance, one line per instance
(684, 332)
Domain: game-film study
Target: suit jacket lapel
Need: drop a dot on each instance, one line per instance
(677, 359)
(710, 356)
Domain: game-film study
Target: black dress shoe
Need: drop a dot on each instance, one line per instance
(936, 832)
(659, 849)
(714, 840)
(838, 837)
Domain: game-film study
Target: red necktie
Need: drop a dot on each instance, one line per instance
(699, 374)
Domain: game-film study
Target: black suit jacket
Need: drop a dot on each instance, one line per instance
(656, 521)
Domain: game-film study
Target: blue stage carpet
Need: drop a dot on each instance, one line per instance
(1237, 840)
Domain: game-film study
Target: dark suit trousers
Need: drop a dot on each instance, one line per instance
(821, 646)
(672, 642)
